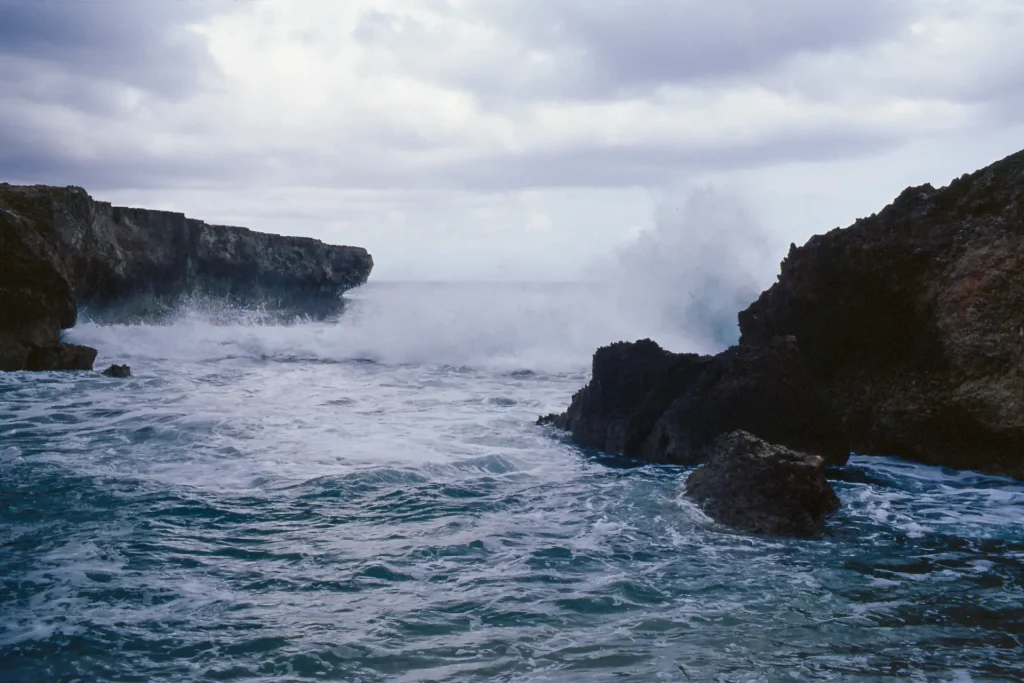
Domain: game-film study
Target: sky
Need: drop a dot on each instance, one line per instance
(511, 139)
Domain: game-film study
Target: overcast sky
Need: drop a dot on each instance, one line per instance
(508, 138)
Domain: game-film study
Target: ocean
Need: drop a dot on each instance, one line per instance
(369, 499)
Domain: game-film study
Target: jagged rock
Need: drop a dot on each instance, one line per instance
(910, 326)
(912, 321)
(759, 487)
(647, 403)
(120, 371)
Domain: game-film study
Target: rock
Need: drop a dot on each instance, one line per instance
(36, 297)
(912, 322)
(120, 371)
(61, 357)
(128, 263)
(647, 403)
(60, 249)
(762, 488)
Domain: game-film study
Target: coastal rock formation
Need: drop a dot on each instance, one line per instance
(119, 371)
(905, 337)
(62, 249)
(912, 322)
(138, 262)
(36, 299)
(762, 488)
(647, 403)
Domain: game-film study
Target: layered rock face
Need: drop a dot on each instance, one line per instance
(138, 262)
(912, 322)
(756, 486)
(647, 403)
(61, 249)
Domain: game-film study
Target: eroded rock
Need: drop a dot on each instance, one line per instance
(912, 322)
(60, 249)
(647, 403)
(128, 263)
(36, 297)
(763, 488)
(910, 330)
(120, 371)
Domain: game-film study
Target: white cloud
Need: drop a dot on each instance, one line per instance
(486, 137)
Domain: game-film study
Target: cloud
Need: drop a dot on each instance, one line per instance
(456, 97)
(143, 44)
(628, 47)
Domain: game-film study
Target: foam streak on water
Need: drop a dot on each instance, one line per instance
(370, 500)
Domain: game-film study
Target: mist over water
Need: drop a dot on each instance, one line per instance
(681, 283)
(369, 499)
(705, 259)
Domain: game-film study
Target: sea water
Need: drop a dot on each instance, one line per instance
(369, 499)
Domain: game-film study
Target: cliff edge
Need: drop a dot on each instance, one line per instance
(61, 249)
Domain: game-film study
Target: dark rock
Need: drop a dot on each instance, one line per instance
(120, 371)
(61, 357)
(127, 263)
(60, 249)
(912, 322)
(36, 298)
(759, 487)
(647, 403)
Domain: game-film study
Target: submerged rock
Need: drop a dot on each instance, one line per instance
(912, 322)
(763, 488)
(647, 403)
(116, 370)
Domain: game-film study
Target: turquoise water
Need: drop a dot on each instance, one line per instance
(370, 500)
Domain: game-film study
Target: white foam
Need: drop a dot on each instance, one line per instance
(680, 283)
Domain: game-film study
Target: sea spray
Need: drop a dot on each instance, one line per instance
(705, 258)
(681, 282)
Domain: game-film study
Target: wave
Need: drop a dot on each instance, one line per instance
(496, 326)
(680, 283)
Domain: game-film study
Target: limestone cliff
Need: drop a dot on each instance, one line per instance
(60, 249)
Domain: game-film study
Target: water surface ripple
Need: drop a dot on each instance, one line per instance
(259, 515)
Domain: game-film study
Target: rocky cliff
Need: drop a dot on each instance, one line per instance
(912, 321)
(649, 404)
(905, 336)
(60, 249)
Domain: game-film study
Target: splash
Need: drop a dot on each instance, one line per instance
(680, 283)
(705, 259)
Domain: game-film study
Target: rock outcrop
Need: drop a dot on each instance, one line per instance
(912, 322)
(36, 298)
(61, 249)
(119, 371)
(758, 487)
(905, 337)
(650, 404)
(138, 262)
